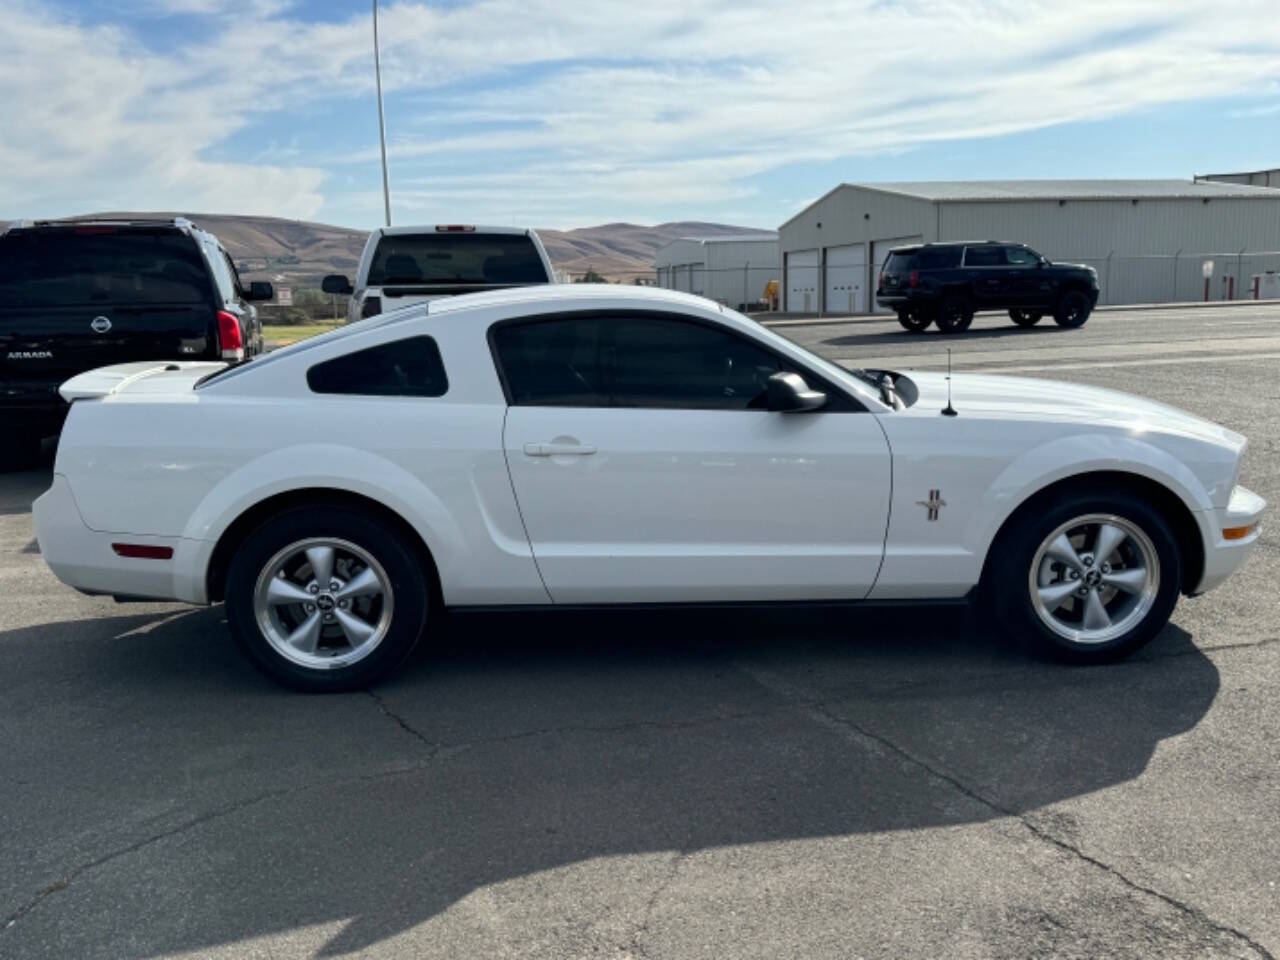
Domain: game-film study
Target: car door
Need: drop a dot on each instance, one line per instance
(646, 468)
(1025, 283)
(985, 268)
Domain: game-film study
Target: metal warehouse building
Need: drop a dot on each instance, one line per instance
(1151, 241)
(732, 269)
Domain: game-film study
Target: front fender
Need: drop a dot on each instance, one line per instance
(1065, 457)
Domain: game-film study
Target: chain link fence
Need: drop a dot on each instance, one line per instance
(1184, 276)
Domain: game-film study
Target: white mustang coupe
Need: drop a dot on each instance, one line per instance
(551, 446)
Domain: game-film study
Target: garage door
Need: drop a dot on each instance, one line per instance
(698, 280)
(846, 279)
(680, 277)
(802, 280)
(879, 253)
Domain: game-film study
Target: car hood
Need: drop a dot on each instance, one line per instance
(994, 396)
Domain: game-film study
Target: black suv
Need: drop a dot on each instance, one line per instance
(80, 294)
(946, 283)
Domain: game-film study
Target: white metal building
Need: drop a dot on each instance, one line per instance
(1149, 240)
(731, 269)
(1258, 178)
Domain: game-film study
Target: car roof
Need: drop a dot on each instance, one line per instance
(435, 228)
(570, 295)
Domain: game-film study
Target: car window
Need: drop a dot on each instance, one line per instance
(941, 258)
(984, 256)
(1021, 257)
(632, 361)
(659, 362)
(101, 266)
(555, 362)
(235, 274)
(897, 263)
(411, 367)
(221, 274)
(455, 258)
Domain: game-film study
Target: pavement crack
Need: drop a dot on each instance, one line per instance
(404, 724)
(635, 947)
(828, 717)
(67, 879)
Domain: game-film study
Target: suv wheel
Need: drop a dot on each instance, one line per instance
(1073, 310)
(1025, 318)
(326, 599)
(1089, 580)
(955, 315)
(914, 319)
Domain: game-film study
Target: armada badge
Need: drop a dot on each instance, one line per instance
(933, 504)
(100, 325)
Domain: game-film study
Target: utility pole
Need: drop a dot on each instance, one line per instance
(382, 123)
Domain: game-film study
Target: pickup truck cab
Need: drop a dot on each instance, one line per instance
(402, 266)
(80, 294)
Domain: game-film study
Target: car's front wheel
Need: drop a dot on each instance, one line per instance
(915, 319)
(1090, 579)
(1073, 309)
(1025, 318)
(326, 599)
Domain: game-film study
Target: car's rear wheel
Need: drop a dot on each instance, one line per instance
(915, 319)
(1073, 309)
(326, 599)
(1090, 579)
(954, 315)
(1025, 318)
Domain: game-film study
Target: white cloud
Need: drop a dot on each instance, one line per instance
(584, 112)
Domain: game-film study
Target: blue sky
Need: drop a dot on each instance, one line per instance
(559, 115)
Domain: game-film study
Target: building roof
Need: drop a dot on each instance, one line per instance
(977, 190)
(771, 237)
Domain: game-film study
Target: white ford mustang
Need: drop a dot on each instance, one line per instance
(607, 445)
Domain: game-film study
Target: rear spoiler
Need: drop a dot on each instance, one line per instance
(148, 376)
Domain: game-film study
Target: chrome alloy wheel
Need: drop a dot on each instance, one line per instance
(323, 603)
(1094, 578)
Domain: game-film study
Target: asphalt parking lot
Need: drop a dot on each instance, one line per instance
(814, 785)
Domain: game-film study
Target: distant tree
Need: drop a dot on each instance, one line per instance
(591, 277)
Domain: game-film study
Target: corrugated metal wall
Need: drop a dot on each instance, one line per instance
(1151, 251)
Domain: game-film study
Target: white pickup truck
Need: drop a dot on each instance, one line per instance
(401, 266)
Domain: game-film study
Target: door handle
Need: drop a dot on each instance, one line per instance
(558, 449)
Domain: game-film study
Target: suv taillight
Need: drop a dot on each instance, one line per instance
(230, 339)
(914, 279)
(371, 307)
(880, 282)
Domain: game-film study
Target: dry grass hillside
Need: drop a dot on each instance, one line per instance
(302, 251)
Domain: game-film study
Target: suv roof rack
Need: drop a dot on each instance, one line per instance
(182, 223)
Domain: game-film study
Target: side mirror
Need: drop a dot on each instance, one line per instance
(336, 283)
(788, 393)
(261, 290)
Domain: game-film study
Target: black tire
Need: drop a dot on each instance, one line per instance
(915, 319)
(1072, 310)
(1008, 590)
(1025, 318)
(20, 452)
(954, 315)
(399, 562)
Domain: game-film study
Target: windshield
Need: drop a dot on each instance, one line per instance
(100, 266)
(456, 258)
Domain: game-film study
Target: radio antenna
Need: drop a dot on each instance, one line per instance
(949, 410)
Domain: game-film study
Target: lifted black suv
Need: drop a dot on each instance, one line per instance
(79, 294)
(946, 283)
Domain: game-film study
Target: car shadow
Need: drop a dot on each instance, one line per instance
(161, 779)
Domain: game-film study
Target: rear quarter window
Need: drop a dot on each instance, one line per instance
(941, 259)
(411, 367)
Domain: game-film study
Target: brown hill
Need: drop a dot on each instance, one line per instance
(303, 251)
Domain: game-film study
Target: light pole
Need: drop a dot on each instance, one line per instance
(382, 123)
